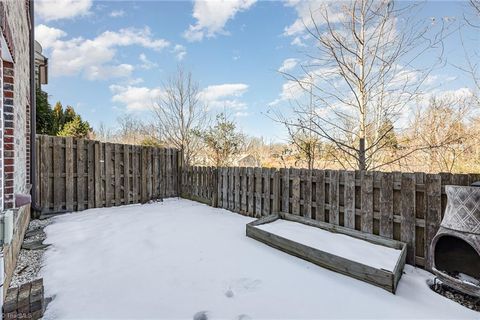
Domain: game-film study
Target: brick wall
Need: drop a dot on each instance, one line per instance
(8, 133)
(18, 76)
(15, 29)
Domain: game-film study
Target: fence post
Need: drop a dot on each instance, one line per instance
(407, 224)
(215, 187)
(276, 191)
(180, 166)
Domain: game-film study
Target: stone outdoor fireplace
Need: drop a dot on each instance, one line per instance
(455, 249)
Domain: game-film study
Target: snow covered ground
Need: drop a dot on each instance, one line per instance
(362, 251)
(177, 259)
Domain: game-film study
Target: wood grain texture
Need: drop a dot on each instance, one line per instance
(90, 175)
(258, 192)
(68, 173)
(386, 205)
(295, 175)
(387, 280)
(334, 216)
(58, 166)
(367, 202)
(349, 196)
(433, 216)
(251, 192)
(76, 174)
(80, 175)
(407, 227)
(286, 190)
(320, 195)
(98, 175)
(307, 194)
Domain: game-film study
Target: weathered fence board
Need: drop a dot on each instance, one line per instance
(399, 206)
(76, 174)
(386, 205)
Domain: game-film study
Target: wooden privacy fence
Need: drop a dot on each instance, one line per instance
(401, 206)
(77, 174)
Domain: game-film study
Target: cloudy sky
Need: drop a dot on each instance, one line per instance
(108, 58)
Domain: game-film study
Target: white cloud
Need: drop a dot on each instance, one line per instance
(50, 10)
(224, 96)
(117, 13)
(291, 90)
(311, 8)
(47, 36)
(134, 81)
(220, 91)
(146, 64)
(288, 64)
(216, 96)
(135, 98)
(105, 72)
(94, 58)
(179, 51)
(240, 114)
(212, 16)
(462, 93)
(297, 41)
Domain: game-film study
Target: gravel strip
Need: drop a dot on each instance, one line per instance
(29, 262)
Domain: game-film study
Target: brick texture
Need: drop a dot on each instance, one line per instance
(16, 101)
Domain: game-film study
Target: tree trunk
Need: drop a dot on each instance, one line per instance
(362, 165)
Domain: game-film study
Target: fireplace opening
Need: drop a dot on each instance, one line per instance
(457, 258)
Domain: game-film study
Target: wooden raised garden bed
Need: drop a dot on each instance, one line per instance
(392, 252)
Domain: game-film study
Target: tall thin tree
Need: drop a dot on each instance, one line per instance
(365, 68)
(179, 112)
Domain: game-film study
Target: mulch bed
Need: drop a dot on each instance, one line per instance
(465, 300)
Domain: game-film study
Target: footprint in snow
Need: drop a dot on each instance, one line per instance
(229, 293)
(244, 317)
(200, 315)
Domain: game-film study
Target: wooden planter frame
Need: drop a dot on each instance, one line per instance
(384, 279)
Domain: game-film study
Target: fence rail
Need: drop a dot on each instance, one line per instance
(401, 206)
(77, 174)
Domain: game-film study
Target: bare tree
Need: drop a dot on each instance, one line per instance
(365, 71)
(130, 130)
(443, 127)
(302, 136)
(472, 56)
(474, 18)
(103, 133)
(179, 112)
